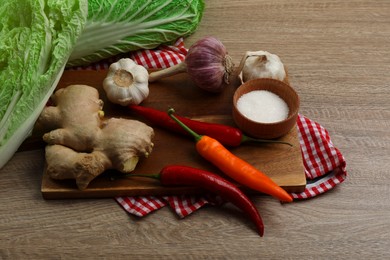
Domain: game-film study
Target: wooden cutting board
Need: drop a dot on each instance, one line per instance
(281, 162)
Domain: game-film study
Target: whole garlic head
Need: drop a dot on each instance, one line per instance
(262, 64)
(126, 83)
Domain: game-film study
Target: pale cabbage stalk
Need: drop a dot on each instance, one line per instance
(38, 38)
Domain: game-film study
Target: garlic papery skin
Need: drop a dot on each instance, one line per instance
(207, 63)
(126, 83)
(262, 64)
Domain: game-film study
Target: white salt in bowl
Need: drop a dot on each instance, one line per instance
(265, 108)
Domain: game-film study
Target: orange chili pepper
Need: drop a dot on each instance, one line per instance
(233, 166)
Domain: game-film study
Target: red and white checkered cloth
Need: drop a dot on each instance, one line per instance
(325, 166)
(162, 57)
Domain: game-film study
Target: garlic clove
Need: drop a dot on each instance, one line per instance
(207, 63)
(126, 83)
(262, 64)
(141, 74)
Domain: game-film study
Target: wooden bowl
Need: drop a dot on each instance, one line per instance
(267, 130)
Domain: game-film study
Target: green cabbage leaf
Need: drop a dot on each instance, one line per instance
(120, 26)
(36, 40)
(39, 38)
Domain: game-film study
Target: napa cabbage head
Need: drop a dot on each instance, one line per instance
(120, 26)
(36, 40)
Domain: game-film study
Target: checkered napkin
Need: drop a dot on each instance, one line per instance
(325, 166)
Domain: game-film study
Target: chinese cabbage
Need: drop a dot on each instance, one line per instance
(119, 26)
(36, 39)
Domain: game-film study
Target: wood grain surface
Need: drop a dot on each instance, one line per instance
(338, 56)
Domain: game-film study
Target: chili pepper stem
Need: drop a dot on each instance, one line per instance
(250, 139)
(196, 136)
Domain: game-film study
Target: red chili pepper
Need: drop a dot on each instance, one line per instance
(226, 135)
(233, 166)
(176, 175)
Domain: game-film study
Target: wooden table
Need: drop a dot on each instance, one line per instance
(338, 56)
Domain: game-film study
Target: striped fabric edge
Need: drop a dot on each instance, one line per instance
(162, 57)
(186, 204)
(322, 185)
(141, 206)
(325, 166)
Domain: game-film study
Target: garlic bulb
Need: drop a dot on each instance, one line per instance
(262, 64)
(126, 83)
(207, 64)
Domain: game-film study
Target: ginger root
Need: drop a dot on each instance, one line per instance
(82, 144)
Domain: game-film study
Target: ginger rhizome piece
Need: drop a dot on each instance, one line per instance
(82, 144)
